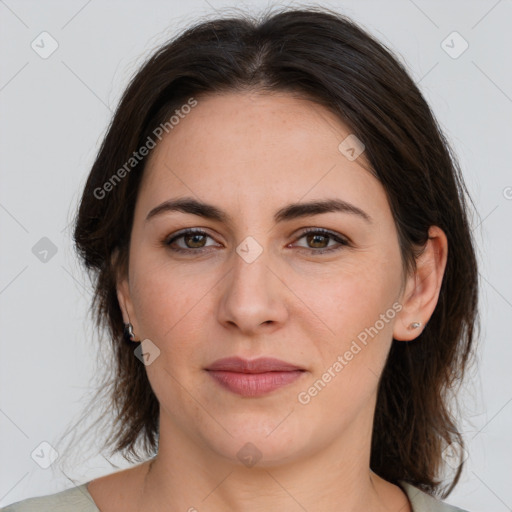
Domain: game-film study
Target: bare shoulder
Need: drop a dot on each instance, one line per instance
(117, 491)
(392, 495)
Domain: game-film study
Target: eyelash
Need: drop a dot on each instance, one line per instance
(317, 231)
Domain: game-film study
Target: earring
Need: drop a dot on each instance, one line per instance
(414, 325)
(128, 332)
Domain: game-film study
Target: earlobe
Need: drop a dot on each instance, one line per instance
(125, 306)
(423, 287)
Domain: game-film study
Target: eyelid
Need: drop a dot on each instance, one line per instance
(325, 231)
(186, 231)
(341, 240)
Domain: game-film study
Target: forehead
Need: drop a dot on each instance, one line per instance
(264, 147)
(245, 123)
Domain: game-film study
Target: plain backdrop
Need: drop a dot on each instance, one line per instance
(53, 114)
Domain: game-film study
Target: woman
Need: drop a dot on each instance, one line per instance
(279, 236)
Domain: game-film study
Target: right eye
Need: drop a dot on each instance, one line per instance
(194, 240)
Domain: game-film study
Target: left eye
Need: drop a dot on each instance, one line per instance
(195, 241)
(319, 237)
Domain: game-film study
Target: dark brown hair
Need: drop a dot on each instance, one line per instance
(319, 55)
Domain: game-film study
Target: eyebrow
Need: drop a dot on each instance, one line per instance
(289, 212)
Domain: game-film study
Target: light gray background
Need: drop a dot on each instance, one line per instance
(53, 115)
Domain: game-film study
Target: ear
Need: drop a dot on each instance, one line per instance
(423, 286)
(123, 297)
(123, 290)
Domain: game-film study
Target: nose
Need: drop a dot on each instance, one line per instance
(253, 295)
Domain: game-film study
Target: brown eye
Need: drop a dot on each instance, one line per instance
(193, 240)
(318, 240)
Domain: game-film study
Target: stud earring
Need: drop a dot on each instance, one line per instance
(128, 333)
(414, 325)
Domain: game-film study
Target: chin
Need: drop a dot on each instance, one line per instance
(262, 442)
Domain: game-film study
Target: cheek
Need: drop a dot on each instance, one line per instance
(358, 304)
(169, 303)
(165, 294)
(361, 314)
(353, 295)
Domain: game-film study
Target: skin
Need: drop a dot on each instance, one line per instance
(251, 154)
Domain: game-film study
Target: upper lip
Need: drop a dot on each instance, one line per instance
(260, 365)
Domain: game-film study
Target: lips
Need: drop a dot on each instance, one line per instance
(260, 365)
(252, 378)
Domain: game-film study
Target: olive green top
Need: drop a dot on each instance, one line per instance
(78, 499)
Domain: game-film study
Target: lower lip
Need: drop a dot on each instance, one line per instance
(254, 384)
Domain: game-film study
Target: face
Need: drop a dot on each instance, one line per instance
(252, 282)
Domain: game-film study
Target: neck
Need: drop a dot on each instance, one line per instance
(186, 476)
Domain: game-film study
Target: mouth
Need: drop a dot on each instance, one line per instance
(252, 378)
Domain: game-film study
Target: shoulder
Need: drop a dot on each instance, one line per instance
(75, 499)
(423, 502)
